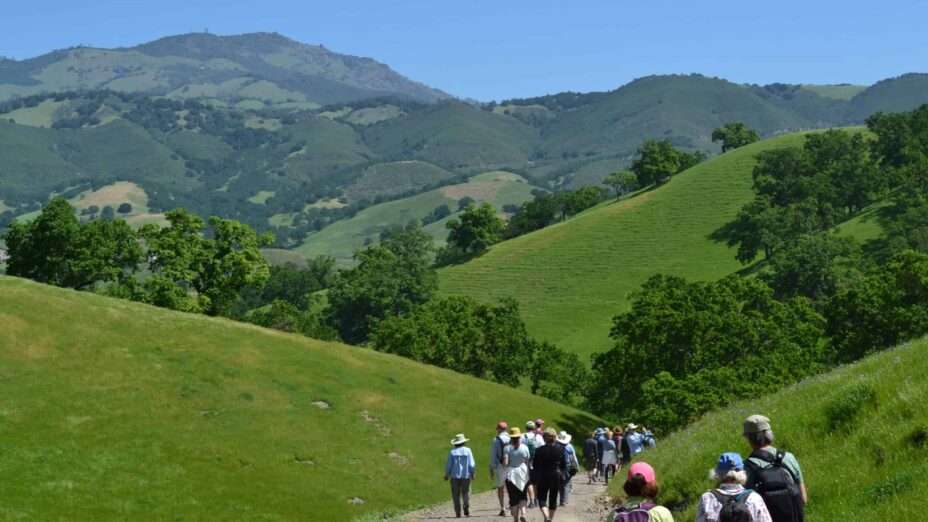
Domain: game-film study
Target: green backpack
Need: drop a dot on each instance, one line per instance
(531, 444)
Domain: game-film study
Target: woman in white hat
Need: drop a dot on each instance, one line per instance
(573, 465)
(460, 469)
(517, 462)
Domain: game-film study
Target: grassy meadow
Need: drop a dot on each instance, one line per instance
(859, 434)
(573, 277)
(342, 238)
(116, 410)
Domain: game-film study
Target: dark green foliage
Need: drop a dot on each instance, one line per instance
(902, 147)
(534, 215)
(575, 202)
(124, 208)
(391, 279)
(437, 214)
(847, 403)
(804, 190)
(465, 202)
(885, 308)
(475, 229)
(56, 249)
(681, 341)
(557, 374)
(281, 315)
(658, 160)
(216, 268)
(483, 340)
(815, 266)
(621, 182)
(733, 135)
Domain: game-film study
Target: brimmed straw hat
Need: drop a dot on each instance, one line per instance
(564, 437)
(459, 439)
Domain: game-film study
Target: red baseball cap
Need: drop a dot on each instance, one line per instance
(502, 425)
(539, 422)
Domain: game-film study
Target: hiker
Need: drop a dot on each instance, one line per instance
(642, 488)
(497, 469)
(532, 440)
(460, 469)
(517, 460)
(573, 465)
(773, 473)
(638, 440)
(617, 435)
(539, 423)
(609, 456)
(600, 447)
(550, 469)
(590, 459)
(730, 502)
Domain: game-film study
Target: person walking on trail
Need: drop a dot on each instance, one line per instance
(573, 465)
(460, 469)
(498, 449)
(590, 459)
(600, 448)
(550, 469)
(773, 473)
(730, 502)
(531, 440)
(642, 488)
(539, 427)
(517, 460)
(638, 440)
(609, 456)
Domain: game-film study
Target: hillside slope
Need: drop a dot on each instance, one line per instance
(117, 410)
(871, 465)
(253, 66)
(573, 277)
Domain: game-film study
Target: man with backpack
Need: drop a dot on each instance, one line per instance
(773, 473)
(498, 449)
(730, 502)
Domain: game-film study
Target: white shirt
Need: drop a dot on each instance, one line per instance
(709, 506)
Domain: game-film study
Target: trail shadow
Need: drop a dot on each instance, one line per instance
(577, 424)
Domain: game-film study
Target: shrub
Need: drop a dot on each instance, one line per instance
(840, 411)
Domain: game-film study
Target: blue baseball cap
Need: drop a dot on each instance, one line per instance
(730, 461)
(599, 431)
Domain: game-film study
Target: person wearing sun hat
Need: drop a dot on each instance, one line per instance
(573, 465)
(729, 477)
(460, 469)
(498, 450)
(517, 461)
(642, 488)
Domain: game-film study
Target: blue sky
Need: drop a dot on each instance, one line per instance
(501, 49)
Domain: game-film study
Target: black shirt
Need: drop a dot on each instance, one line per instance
(548, 460)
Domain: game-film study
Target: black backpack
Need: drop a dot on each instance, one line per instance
(777, 486)
(734, 507)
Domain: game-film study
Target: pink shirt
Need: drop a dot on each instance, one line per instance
(709, 506)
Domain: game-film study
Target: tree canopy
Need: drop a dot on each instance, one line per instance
(734, 134)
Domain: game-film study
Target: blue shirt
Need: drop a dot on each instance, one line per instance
(460, 464)
(636, 441)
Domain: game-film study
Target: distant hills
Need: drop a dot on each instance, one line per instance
(291, 137)
(247, 68)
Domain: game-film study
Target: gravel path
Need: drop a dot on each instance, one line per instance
(587, 504)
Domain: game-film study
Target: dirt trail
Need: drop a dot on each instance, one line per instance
(587, 504)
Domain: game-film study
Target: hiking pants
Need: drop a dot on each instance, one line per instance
(566, 487)
(460, 488)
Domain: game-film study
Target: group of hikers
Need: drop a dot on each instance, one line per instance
(535, 468)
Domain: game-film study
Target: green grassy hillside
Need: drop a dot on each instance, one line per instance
(392, 178)
(455, 135)
(683, 109)
(860, 459)
(342, 238)
(117, 410)
(573, 277)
